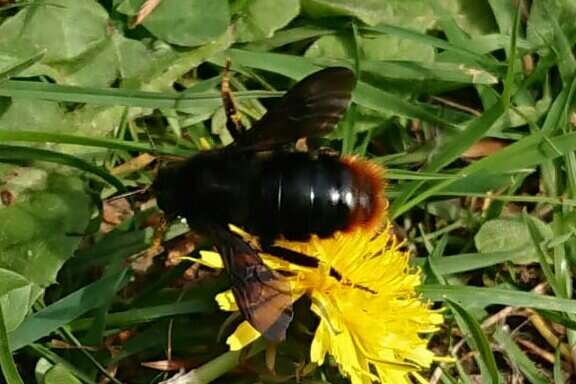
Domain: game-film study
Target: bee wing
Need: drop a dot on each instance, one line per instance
(312, 107)
(263, 295)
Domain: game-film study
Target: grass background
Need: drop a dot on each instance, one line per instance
(469, 106)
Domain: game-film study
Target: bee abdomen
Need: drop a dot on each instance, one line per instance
(301, 195)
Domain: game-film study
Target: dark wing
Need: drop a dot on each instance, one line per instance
(263, 295)
(313, 107)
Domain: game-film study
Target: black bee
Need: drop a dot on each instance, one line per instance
(261, 184)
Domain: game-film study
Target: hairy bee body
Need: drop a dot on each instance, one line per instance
(260, 185)
(279, 194)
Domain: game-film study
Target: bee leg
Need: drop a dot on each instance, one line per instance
(233, 122)
(181, 247)
(270, 357)
(328, 152)
(160, 230)
(145, 258)
(290, 255)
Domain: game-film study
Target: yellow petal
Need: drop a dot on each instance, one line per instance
(211, 259)
(242, 336)
(320, 345)
(204, 144)
(226, 301)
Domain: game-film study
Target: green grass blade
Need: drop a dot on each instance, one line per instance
(62, 312)
(487, 296)
(61, 138)
(452, 148)
(471, 261)
(12, 153)
(477, 341)
(16, 68)
(405, 174)
(559, 377)
(436, 256)
(143, 315)
(365, 94)
(374, 98)
(489, 64)
(519, 358)
(528, 152)
(412, 70)
(56, 359)
(513, 198)
(563, 49)
(348, 131)
(116, 96)
(446, 153)
(557, 116)
(537, 241)
(288, 36)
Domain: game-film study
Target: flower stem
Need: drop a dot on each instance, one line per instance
(218, 366)
(7, 365)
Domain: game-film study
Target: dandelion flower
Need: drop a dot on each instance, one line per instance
(363, 290)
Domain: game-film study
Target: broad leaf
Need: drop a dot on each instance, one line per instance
(509, 235)
(63, 29)
(261, 18)
(188, 23)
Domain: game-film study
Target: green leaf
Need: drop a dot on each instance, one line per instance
(473, 17)
(59, 374)
(380, 47)
(117, 57)
(374, 12)
(175, 63)
(20, 113)
(188, 23)
(288, 36)
(16, 296)
(11, 65)
(510, 235)
(64, 29)
(10, 280)
(7, 365)
(41, 230)
(261, 18)
(16, 304)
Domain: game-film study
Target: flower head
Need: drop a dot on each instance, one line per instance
(363, 290)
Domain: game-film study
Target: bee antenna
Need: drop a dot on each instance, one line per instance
(129, 194)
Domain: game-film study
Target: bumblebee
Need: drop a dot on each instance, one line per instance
(263, 185)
